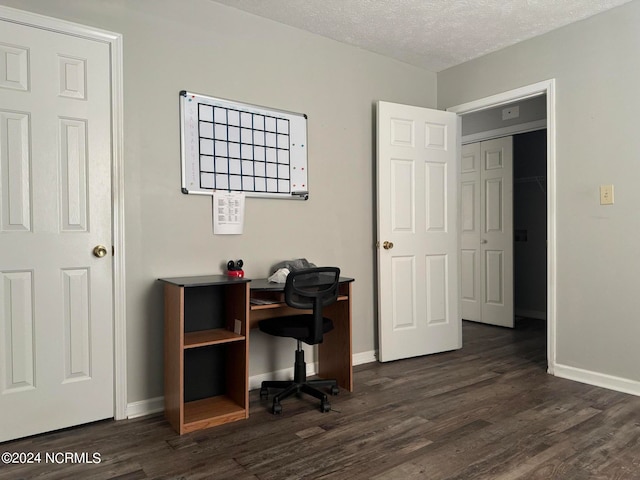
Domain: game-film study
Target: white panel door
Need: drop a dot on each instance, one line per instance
(486, 232)
(496, 243)
(417, 231)
(56, 338)
(470, 229)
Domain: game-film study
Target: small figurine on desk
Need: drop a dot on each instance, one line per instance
(234, 269)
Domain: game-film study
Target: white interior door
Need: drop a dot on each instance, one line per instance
(417, 178)
(496, 242)
(56, 323)
(486, 232)
(470, 229)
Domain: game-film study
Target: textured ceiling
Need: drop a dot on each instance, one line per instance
(432, 34)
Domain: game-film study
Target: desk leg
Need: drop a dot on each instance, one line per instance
(335, 355)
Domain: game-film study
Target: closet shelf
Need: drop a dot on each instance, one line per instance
(540, 180)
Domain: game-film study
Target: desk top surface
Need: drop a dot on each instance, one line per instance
(204, 280)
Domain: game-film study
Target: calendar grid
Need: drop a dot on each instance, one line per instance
(243, 151)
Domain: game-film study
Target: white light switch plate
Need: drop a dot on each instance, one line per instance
(606, 194)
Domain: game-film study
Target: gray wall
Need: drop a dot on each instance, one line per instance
(595, 64)
(204, 47)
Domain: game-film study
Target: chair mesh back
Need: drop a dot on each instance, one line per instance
(313, 289)
(308, 287)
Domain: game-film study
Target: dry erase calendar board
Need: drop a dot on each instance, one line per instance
(232, 146)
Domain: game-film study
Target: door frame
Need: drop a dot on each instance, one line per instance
(114, 40)
(546, 87)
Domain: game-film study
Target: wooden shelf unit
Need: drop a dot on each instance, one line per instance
(206, 351)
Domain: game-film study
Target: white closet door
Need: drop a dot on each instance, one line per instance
(496, 241)
(486, 253)
(470, 229)
(56, 322)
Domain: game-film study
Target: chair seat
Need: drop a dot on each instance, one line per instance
(299, 327)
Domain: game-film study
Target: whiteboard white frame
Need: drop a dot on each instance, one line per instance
(190, 142)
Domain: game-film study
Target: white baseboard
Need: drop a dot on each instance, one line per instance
(365, 357)
(155, 405)
(287, 373)
(618, 384)
(284, 374)
(145, 407)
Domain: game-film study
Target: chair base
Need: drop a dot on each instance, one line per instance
(299, 385)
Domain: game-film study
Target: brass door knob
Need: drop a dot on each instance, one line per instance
(387, 245)
(100, 251)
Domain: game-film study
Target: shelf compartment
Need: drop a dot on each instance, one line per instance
(215, 336)
(212, 411)
(270, 306)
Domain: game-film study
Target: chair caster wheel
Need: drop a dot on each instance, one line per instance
(276, 409)
(325, 407)
(335, 390)
(264, 393)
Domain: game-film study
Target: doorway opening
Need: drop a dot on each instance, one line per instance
(533, 195)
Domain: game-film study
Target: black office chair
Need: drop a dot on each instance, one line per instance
(309, 288)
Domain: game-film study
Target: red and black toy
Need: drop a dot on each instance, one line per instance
(234, 269)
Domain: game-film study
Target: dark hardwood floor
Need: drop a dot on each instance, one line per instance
(488, 411)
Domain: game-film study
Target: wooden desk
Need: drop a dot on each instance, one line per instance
(206, 345)
(335, 352)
